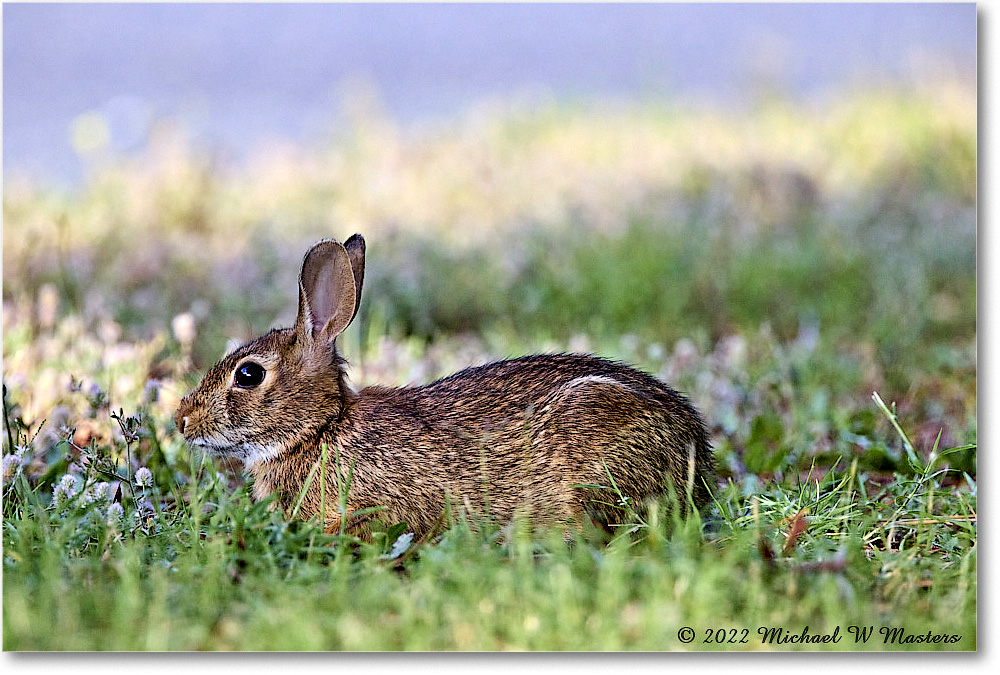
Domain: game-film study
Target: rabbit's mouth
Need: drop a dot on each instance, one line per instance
(249, 452)
(218, 446)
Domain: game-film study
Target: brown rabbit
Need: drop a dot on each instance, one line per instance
(532, 435)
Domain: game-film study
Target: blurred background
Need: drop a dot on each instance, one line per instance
(81, 79)
(742, 199)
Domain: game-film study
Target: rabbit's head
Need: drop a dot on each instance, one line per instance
(285, 387)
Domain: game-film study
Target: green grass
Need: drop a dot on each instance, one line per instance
(889, 541)
(236, 576)
(778, 267)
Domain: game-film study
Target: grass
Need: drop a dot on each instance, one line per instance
(231, 575)
(779, 267)
(213, 571)
(885, 537)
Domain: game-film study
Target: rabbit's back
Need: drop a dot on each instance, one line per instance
(521, 436)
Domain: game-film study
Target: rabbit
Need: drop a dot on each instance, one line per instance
(536, 436)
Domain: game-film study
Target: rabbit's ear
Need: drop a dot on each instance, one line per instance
(327, 298)
(355, 247)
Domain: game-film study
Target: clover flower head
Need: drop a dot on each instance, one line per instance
(102, 491)
(99, 492)
(65, 489)
(11, 465)
(116, 513)
(144, 477)
(184, 328)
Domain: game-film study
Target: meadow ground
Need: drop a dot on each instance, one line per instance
(807, 275)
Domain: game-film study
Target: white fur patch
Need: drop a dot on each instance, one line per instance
(250, 453)
(220, 445)
(595, 379)
(256, 453)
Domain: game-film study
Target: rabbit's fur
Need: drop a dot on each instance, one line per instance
(530, 435)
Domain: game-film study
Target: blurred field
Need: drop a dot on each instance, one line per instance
(778, 265)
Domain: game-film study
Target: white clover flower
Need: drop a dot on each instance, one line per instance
(65, 489)
(184, 328)
(116, 513)
(99, 493)
(102, 491)
(11, 465)
(144, 477)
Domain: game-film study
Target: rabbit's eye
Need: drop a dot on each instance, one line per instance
(249, 375)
